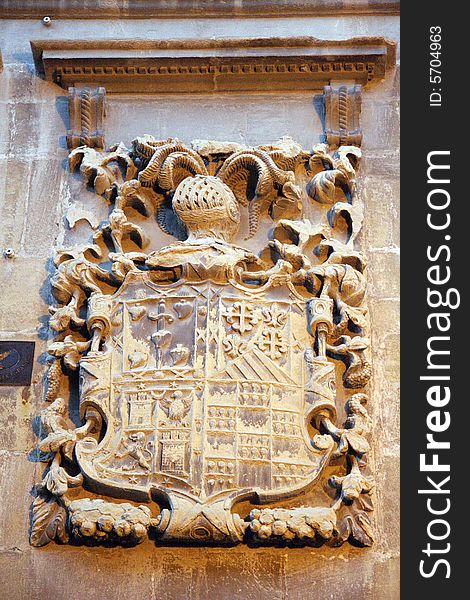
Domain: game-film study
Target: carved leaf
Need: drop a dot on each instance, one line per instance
(323, 186)
(102, 170)
(68, 447)
(345, 345)
(320, 159)
(124, 263)
(54, 441)
(357, 442)
(119, 227)
(363, 532)
(300, 232)
(91, 165)
(357, 315)
(353, 484)
(356, 527)
(48, 522)
(365, 502)
(70, 349)
(355, 344)
(57, 480)
(132, 194)
(352, 215)
(64, 317)
(336, 252)
(290, 202)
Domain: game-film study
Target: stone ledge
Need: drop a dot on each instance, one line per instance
(137, 9)
(206, 65)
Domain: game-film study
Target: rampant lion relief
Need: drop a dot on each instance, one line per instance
(212, 378)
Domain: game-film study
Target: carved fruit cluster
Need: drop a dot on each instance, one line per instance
(98, 520)
(292, 523)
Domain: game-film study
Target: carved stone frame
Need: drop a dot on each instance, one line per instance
(197, 193)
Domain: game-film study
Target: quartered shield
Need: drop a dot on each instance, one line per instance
(207, 397)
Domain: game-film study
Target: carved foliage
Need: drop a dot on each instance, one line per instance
(215, 355)
(48, 522)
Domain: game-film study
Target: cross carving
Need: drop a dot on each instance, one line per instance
(241, 316)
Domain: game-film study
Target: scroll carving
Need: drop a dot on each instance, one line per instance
(208, 368)
(86, 112)
(343, 109)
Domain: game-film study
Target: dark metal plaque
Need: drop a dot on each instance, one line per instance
(16, 362)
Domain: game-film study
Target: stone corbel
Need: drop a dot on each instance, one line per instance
(342, 115)
(86, 110)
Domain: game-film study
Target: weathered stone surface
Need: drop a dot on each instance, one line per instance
(21, 281)
(381, 265)
(387, 134)
(17, 468)
(389, 494)
(381, 228)
(17, 409)
(103, 9)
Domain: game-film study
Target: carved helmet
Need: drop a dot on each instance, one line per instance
(207, 206)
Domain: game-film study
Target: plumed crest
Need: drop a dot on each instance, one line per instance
(252, 175)
(177, 166)
(152, 172)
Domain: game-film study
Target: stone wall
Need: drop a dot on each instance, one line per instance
(37, 191)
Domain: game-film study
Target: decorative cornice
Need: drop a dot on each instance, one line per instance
(195, 65)
(138, 9)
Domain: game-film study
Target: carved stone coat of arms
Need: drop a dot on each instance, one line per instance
(219, 387)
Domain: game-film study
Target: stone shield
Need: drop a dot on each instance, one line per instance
(207, 398)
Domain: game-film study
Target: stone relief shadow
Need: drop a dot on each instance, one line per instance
(45, 291)
(62, 106)
(319, 106)
(26, 59)
(35, 455)
(44, 332)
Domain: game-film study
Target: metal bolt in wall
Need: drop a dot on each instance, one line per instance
(9, 253)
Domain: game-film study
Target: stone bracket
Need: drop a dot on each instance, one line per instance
(86, 110)
(342, 115)
(212, 65)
